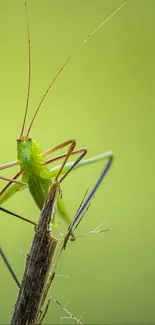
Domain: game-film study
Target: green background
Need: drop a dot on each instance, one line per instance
(104, 99)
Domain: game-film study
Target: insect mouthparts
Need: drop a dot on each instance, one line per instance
(26, 157)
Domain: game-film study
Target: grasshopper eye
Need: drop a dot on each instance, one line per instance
(30, 139)
(18, 140)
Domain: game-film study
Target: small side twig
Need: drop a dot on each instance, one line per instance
(70, 316)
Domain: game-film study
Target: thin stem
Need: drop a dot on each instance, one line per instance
(6, 261)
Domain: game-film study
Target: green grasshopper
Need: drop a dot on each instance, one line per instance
(34, 170)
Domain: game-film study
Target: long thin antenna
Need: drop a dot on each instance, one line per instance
(29, 71)
(70, 58)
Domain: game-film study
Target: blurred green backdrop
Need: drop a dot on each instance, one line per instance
(105, 99)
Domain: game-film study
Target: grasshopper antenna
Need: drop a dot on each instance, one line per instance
(70, 58)
(29, 72)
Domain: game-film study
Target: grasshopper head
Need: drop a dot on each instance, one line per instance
(24, 148)
(27, 149)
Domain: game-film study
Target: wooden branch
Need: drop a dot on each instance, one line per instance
(38, 265)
